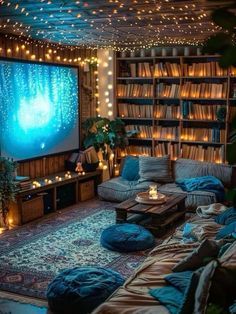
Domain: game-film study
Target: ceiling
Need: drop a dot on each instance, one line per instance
(113, 23)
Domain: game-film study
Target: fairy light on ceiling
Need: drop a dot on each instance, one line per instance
(111, 24)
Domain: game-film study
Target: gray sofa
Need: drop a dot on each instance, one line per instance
(119, 189)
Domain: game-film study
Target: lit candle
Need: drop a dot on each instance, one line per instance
(33, 186)
(69, 176)
(153, 191)
(59, 179)
(49, 181)
(83, 173)
(46, 181)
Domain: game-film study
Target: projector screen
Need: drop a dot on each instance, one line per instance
(38, 109)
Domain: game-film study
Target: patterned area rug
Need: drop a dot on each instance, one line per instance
(30, 256)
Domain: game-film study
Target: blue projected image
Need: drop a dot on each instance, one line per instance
(39, 109)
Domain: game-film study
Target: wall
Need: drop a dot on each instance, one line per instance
(85, 59)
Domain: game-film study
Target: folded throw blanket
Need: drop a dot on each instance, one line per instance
(210, 210)
(226, 217)
(206, 183)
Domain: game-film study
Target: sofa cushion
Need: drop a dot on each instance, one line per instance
(119, 189)
(193, 199)
(187, 168)
(157, 169)
(130, 169)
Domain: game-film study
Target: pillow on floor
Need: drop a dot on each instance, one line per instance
(207, 250)
(157, 169)
(130, 169)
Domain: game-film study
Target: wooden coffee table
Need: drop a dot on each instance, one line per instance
(157, 218)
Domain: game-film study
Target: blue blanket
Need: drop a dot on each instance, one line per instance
(226, 217)
(206, 183)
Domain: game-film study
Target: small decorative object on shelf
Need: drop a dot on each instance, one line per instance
(221, 114)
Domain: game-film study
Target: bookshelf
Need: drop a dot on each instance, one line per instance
(173, 101)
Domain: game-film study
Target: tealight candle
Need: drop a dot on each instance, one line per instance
(46, 180)
(59, 179)
(83, 173)
(66, 175)
(33, 186)
(49, 181)
(69, 176)
(153, 191)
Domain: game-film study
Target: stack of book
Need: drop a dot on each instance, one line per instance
(204, 69)
(204, 90)
(214, 135)
(144, 69)
(167, 90)
(199, 111)
(143, 131)
(210, 154)
(167, 69)
(168, 133)
(22, 183)
(162, 149)
(135, 90)
(167, 112)
(135, 111)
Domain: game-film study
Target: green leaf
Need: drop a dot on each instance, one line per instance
(217, 43)
(231, 196)
(231, 153)
(228, 57)
(224, 18)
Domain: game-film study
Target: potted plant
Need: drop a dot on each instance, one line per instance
(7, 188)
(104, 134)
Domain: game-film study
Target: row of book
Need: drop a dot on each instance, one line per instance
(167, 69)
(134, 150)
(162, 149)
(204, 69)
(214, 135)
(141, 69)
(135, 111)
(167, 111)
(143, 131)
(210, 154)
(204, 90)
(134, 90)
(168, 133)
(199, 111)
(168, 90)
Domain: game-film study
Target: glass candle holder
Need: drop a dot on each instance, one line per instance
(153, 191)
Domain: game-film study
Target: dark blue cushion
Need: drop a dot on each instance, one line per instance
(130, 169)
(127, 238)
(168, 296)
(205, 183)
(81, 289)
(226, 217)
(180, 280)
(229, 231)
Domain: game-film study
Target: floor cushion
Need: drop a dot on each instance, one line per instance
(193, 199)
(81, 289)
(127, 238)
(119, 189)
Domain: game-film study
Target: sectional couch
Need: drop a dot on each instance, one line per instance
(119, 189)
(134, 296)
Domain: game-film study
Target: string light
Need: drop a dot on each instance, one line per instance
(154, 23)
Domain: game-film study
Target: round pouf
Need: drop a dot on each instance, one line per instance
(127, 238)
(80, 290)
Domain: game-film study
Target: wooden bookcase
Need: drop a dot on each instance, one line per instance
(183, 122)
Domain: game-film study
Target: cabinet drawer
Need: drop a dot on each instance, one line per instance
(86, 190)
(32, 209)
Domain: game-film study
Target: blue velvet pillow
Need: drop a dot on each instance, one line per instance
(130, 169)
(226, 217)
(229, 231)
